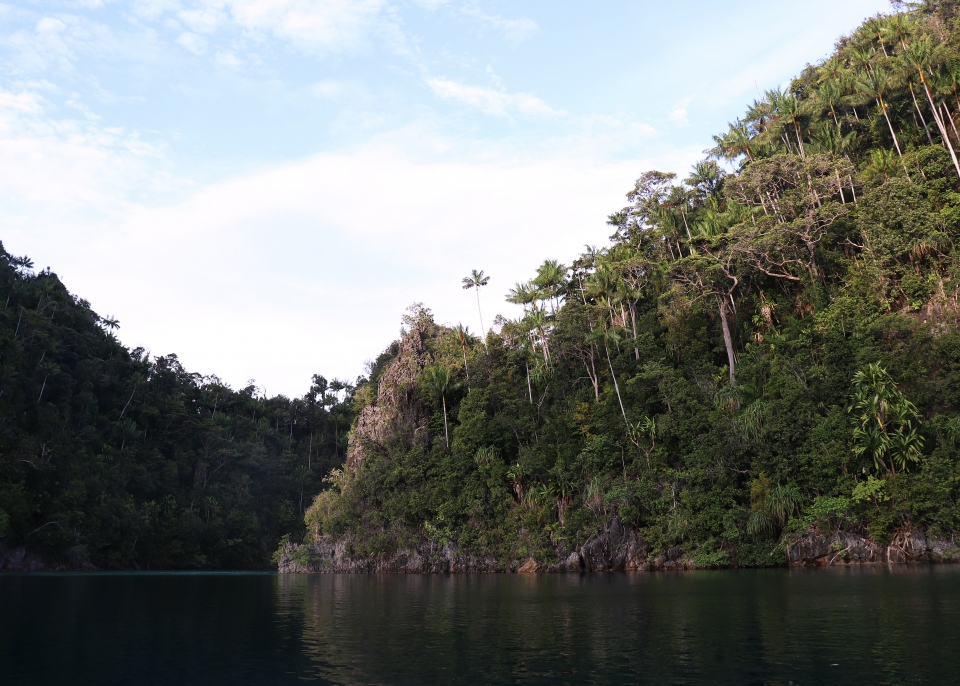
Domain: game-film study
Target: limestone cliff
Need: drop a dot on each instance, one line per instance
(844, 548)
(616, 548)
(396, 412)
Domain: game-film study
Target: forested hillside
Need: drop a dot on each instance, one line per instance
(768, 347)
(113, 458)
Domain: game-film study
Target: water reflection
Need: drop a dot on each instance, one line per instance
(762, 627)
(856, 626)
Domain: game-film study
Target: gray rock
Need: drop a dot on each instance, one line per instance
(846, 548)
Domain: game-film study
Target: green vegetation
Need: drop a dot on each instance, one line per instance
(113, 458)
(759, 353)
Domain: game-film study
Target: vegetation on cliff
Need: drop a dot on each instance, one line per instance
(766, 348)
(759, 352)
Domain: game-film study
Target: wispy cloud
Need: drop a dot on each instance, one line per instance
(311, 25)
(192, 42)
(492, 101)
(54, 169)
(317, 211)
(678, 115)
(514, 29)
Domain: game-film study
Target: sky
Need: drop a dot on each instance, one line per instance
(264, 186)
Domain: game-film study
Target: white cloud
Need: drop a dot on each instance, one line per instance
(203, 20)
(311, 25)
(431, 4)
(514, 29)
(333, 89)
(225, 58)
(192, 42)
(53, 169)
(492, 101)
(306, 267)
(54, 45)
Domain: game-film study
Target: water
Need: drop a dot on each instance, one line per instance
(869, 626)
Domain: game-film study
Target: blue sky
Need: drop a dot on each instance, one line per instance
(263, 186)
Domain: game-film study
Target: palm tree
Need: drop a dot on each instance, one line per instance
(677, 199)
(828, 138)
(138, 379)
(874, 84)
(919, 56)
(437, 382)
(602, 333)
(735, 142)
(475, 281)
(829, 95)
(550, 279)
(463, 335)
(791, 111)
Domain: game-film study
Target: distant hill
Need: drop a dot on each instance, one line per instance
(111, 458)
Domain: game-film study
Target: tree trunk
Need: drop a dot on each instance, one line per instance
(941, 126)
(529, 387)
(483, 333)
(131, 398)
(896, 143)
(917, 106)
(727, 338)
(445, 431)
(616, 387)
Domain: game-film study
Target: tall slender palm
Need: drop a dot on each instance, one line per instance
(550, 279)
(463, 336)
(608, 336)
(829, 95)
(475, 281)
(791, 112)
(828, 138)
(677, 199)
(874, 83)
(735, 142)
(919, 57)
(438, 382)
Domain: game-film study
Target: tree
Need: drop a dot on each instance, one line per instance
(885, 430)
(919, 57)
(607, 337)
(475, 281)
(463, 337)
(874, 83)
(796, 197)
(709, 275)
(437, 382)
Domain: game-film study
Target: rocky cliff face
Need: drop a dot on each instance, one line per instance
(846, 548)
(19, 560)
(617, 548)
(396, 411)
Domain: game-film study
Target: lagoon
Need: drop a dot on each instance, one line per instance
(837, 626)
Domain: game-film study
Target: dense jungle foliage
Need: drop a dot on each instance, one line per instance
(767, 347)
(113, 458)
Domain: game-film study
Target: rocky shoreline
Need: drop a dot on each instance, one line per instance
(618, 548)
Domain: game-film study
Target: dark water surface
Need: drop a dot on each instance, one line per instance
(895, 626)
